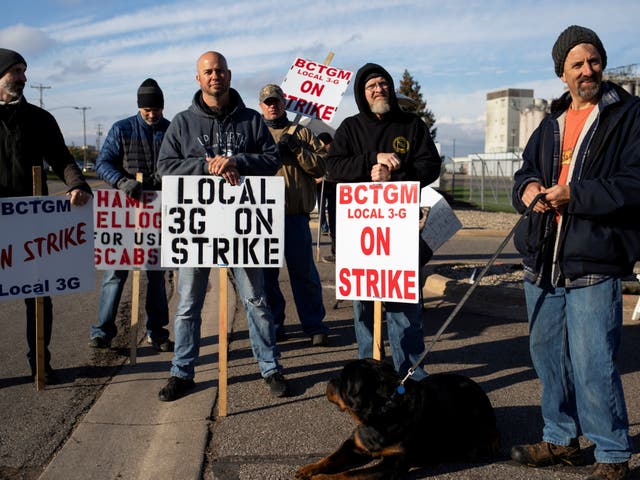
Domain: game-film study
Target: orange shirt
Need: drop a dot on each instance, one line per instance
(574, 122)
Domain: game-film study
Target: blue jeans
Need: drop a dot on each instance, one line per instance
(404, 331)
(574, 340)
(303, 275)
(322, 206)
(192, 287)
(155, 306)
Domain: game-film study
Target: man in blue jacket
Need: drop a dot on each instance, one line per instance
(578, 243)
(132, 146)
(218, 135)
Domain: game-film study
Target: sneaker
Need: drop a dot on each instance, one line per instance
(162, 345)
(175, 388)
(610, 471)
(320, 340)
(277, 384)
(543, 454)
(329, 258)
(99, 342)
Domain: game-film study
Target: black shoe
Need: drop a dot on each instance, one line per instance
(50, 376)
(175, 388)
(99, 342)
(162, 345)
(320, 340)
(278, 385)
(329, 258)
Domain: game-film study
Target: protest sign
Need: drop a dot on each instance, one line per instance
(442, 223)
(377, 242)
(46, 247)
(313, 89)
(207, 222)
(127, 231)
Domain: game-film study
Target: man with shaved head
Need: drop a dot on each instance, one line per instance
(218, 135)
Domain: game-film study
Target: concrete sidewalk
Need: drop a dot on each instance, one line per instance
(129, 434)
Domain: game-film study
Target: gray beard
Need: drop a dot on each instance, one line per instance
(588, 93)
(381, 106)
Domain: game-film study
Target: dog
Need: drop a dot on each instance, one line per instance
(445, 417)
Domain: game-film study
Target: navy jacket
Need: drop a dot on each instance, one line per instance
(132, 146)
(600, 229)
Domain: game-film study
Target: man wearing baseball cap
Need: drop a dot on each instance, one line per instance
(580, 241)
(30, 136)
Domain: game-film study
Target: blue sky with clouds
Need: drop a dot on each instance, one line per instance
(95, 53)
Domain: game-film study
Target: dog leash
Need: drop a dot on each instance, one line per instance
(527, 212)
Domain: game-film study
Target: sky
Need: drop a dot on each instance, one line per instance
(96, 53)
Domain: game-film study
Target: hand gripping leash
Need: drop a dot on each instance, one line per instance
(455, 311)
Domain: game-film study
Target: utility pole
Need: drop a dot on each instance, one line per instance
(98, 137)
(84, 133)
(41, 88)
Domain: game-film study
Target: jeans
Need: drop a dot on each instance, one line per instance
(156, 305)
(47, 314)
(575, 336)
(192, 287)
(321, 199)
(303, 274)
(404, 331)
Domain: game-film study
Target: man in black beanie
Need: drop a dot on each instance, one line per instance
(580, 241)
(30, 136)
(132, 146)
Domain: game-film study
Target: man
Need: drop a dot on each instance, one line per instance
(380, 144)
(218, 135)
(301, 155)
(30, 136)
(329, 200)
(132, 146)
(581, 238)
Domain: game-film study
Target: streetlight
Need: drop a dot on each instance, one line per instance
(84, 131)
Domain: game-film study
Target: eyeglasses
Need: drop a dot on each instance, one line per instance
(380, 85)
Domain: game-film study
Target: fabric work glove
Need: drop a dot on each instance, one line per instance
(289, 143)
(131, 187)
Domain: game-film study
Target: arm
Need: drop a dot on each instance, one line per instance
(261, 155)
(344, 164)
(109, 161)
(175, 157)
(308, 152)
(425, 163)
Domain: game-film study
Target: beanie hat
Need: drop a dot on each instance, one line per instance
(150, 95)
(8, 58)
(571, 37)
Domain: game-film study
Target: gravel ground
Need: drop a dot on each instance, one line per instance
(490, 220)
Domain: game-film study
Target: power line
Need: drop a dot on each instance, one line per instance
(41, 88)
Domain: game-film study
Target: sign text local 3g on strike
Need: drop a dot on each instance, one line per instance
(208, 222)
(377, 242)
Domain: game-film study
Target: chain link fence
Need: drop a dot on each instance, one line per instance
(483, 180)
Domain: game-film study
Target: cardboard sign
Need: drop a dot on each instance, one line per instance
(46, 247)
(313, 89)
(207, 222)
(377, 242)
(442, 223)
(127, 231)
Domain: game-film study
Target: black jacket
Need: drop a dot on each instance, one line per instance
(600, 232)
(30, 136)
(359, 139)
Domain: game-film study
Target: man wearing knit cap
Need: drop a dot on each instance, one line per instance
(381, 144)
(30, 136)
(581, 239)
(132, 146)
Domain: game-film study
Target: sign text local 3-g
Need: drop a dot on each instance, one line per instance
(313, 89)
(377, 242)
(207, 222)
(46, 247)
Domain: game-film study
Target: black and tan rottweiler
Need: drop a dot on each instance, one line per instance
(445, 417)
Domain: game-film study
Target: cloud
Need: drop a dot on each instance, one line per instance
(26, 40)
